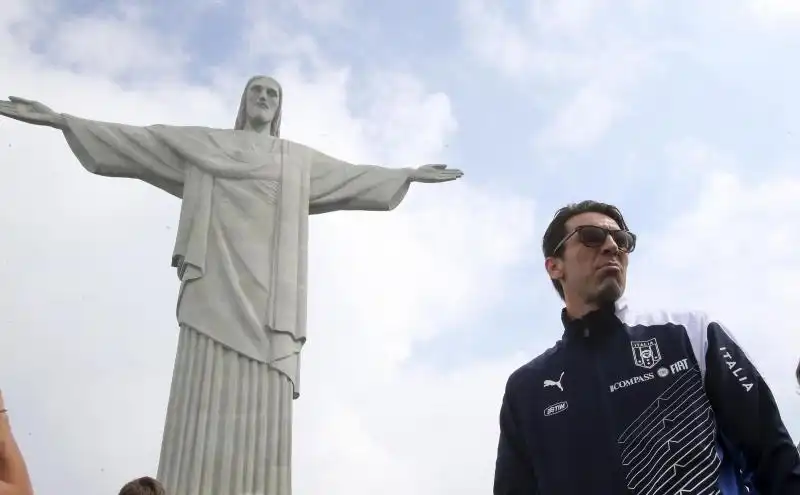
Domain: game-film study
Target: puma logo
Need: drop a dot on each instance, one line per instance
(552, 383)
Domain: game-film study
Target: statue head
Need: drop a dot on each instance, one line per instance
(261, 105)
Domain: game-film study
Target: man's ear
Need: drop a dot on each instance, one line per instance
(554, 267)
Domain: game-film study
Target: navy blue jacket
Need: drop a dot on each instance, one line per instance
(657, 404)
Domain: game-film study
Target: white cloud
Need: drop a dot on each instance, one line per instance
(439, 429)
(323, 11)
(775, 12)
(556, 42)
(89, 330)
(442, 261)
(577, 56)
(692, 156)
(114, 46)
(583, 120)
(494, 39)
(266, 36)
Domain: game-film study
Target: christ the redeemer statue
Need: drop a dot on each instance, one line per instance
(241, 255)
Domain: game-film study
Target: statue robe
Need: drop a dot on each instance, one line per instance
(241, 255)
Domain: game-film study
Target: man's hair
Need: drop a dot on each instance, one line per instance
(557, 229)
(143, 486)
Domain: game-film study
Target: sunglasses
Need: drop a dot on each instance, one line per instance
(594, 236)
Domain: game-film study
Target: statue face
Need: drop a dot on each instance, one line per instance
(262, 101)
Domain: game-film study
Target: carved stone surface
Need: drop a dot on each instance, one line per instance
(241, 256)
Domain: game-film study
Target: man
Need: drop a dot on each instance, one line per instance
(143, 486)
(14, 479)
(661, 403)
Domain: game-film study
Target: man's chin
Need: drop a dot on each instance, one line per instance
(610, 291)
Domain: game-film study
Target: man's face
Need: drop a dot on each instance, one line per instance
(262, 101)
(590, 275)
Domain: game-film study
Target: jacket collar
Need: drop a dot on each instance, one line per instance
(595, 322)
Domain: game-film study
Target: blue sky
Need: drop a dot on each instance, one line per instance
(683, 115)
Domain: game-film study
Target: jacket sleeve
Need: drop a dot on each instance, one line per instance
(513, 473)
(747, 414)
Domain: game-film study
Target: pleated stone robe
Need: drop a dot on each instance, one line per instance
(241, 255)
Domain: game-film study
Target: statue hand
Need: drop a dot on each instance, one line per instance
(435, 173)
(31, 112)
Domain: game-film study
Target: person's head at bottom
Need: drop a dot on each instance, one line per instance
(586, 248)
(143, 486)
(797, 373)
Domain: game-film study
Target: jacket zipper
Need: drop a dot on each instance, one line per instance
(608, 423)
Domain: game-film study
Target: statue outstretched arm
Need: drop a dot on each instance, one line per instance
(107, 149)
(338, 185)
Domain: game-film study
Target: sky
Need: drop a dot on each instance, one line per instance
(685, 117)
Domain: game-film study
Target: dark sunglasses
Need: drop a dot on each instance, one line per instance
(594, 236)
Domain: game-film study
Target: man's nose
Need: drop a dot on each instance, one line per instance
(610, 247)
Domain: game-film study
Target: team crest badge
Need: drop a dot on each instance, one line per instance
(645, 353)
